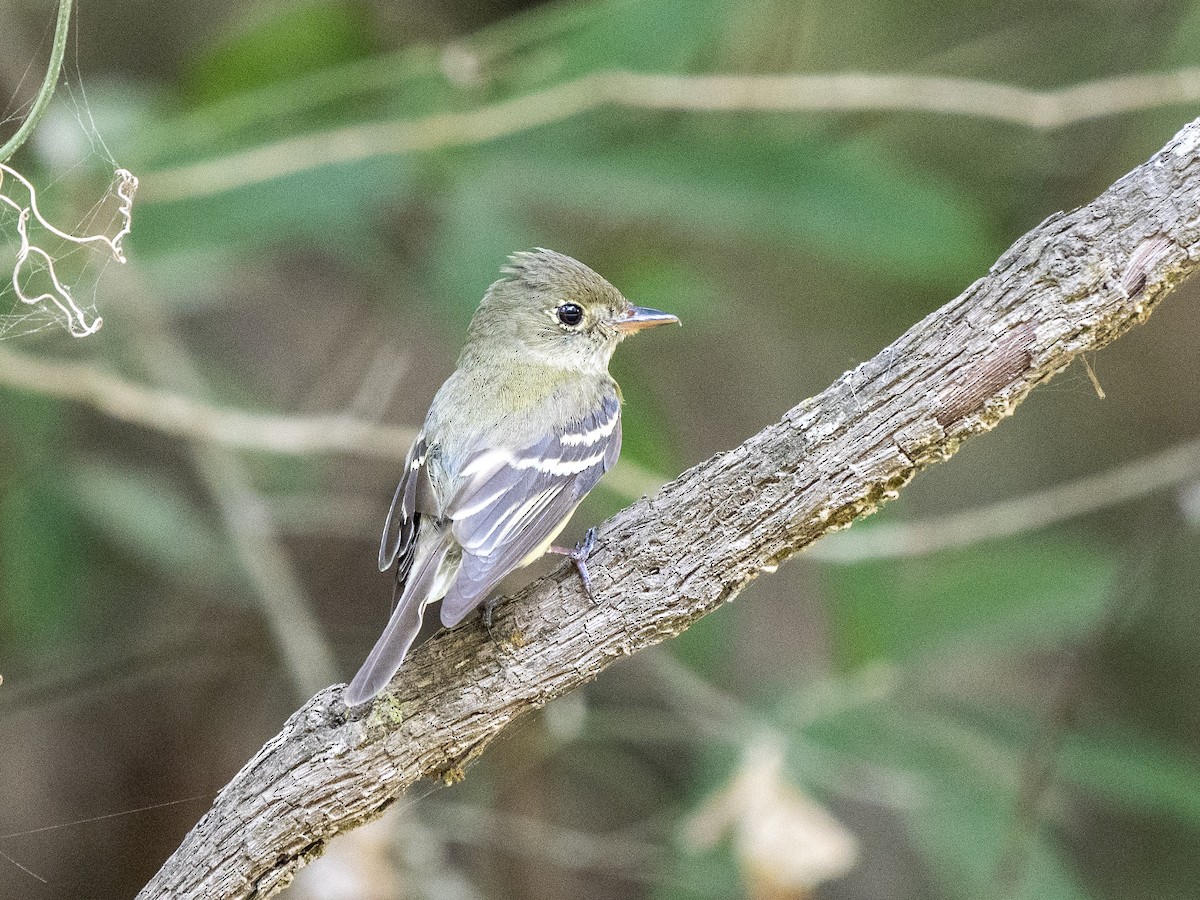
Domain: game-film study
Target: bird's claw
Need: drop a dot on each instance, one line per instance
(579, 556)
(486, 611)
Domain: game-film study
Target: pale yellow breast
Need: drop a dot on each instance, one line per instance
(540, 551)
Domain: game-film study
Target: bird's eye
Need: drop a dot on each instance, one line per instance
(570, 314)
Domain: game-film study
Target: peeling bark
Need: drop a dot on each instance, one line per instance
(1074, 283)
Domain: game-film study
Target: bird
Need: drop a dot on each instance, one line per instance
(514, 439)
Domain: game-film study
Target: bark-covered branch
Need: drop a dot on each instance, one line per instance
(1073, 284)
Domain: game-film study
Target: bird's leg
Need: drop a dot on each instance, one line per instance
(579, 556)
(486, 611)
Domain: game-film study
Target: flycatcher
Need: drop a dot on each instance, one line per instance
(514, 440)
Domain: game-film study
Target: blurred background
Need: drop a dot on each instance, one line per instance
(988, 690)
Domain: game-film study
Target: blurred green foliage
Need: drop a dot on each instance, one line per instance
(285, 44)
(1035, 592)
(38, 533)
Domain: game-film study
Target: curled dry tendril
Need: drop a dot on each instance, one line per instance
(28, 251)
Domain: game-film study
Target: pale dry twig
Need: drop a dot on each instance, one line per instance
(836, 92)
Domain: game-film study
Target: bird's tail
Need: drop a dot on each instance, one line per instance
(426, 583)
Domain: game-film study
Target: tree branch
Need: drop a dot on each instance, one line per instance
(42, 101)
(1005, 518)
(1073, 284)
(838, 92)
(183, 415)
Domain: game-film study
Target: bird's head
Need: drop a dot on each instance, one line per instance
(559, 311)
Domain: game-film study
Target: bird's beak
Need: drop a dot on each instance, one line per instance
(640, 317)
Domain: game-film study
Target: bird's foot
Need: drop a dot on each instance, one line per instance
(579, 556)
(485, 612)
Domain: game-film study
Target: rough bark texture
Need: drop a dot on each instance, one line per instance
(1073, 284)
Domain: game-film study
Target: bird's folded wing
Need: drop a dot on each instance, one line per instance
(405, 622)
(400, 529)
(510, 503)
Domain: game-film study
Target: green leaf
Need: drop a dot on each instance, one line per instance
(1133, 771)
(962, 833)
(563, 41)
(850, 201)
(1037, 590)
(41, 564)
(153, 522)
(480, 227)
(712, 875)
(293, 40)
(696, 874)
(336, 207)
(708, 645)
(958, 783)
(668, 283)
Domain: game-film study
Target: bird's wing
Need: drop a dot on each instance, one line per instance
(424, 558)
(510, 503)
(425, 578)
(403, 518)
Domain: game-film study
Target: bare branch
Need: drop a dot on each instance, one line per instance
(186, 417)
(842, 92)
(1008, 517)
(41, 102)
(1073, 284)
(1172, 468)
(301, 644)
(183, 416)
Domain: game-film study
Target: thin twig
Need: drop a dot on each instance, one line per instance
(1071, 499)
(42, 101)
(303, 650)
(841, 92)
(184, 416)
(1008, 517)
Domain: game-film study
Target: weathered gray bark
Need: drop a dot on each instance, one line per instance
(1073, 284)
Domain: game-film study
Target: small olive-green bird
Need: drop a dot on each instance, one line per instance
(513, 441)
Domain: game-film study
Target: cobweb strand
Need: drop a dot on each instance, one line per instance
(32, 257)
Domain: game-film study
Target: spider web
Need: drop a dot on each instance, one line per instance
(49, 273)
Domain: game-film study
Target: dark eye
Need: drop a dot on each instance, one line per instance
(570, 314)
